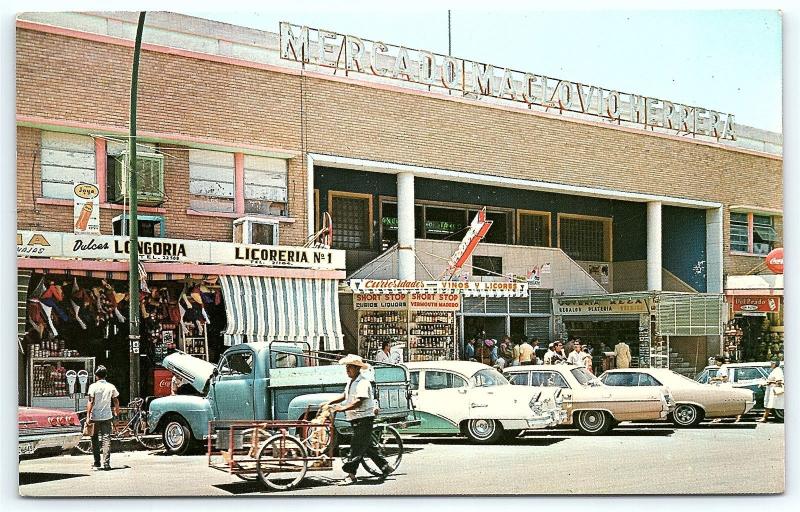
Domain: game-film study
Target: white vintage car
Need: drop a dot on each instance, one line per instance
(473, 399)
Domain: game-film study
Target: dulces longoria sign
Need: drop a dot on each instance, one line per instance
(351, 53)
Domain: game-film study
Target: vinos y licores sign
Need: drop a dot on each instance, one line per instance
(471, 78)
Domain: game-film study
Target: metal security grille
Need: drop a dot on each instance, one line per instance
(582, 239)
(533, 230)
(541, 301)
(696, 315)
(519, 305)
(538, 327)
(496, 305)
(351, 218)
(472, 305)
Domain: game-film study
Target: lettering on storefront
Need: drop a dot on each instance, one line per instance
(753, 303)
(602, 306)
(498, 288)
(414, 301)
(355, 54)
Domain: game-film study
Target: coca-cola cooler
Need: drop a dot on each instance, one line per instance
(162, 382)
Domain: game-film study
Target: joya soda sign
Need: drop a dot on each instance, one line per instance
(86, 208)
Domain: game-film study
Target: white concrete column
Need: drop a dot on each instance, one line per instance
(405, 226)
(654, 245)
(714, 251)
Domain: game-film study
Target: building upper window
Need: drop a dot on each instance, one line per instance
(487, 266)
(585, 238)
(533, 228)
(752, 234)
(265, 185)
(352, 220)
(211, 181)
(65, 159)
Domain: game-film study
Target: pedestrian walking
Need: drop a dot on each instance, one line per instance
(360, 409)
(773, 396)
(100, 411)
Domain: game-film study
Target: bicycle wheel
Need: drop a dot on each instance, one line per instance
(282, 462)
(149, 441)
(84, 445)
(390, 447)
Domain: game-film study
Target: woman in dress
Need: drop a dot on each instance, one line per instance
(773, 397)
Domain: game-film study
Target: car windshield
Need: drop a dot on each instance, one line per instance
(489, 377)
(585, 378)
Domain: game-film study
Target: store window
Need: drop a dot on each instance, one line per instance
(585, 238)
(443, 223)
(211, 181)
(390, 223)
(443, 380)
(151, 226)
(739, 232)
(265, 185)
(352, 220)
(487, 266)
(500, 232)
(65, 159)
(533, 229)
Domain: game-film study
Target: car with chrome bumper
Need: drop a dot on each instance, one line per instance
(591, 406)
(475, 400)
(693, 401)
(47, 431)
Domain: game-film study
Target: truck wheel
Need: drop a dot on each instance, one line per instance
(484, 431)
(594, 422)
(177, 436)
(686, 415)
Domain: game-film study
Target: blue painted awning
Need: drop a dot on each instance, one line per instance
(282, 309)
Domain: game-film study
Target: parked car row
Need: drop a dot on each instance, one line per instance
(46, 431)
(750, 376)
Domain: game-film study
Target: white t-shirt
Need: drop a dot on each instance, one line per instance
(577, 358)
(360, 387)
(383, 357)
(102, 393)
(722, 373)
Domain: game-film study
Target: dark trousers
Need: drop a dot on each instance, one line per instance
(362, 445)
(102, 440)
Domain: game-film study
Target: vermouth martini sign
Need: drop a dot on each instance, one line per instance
(351, 53)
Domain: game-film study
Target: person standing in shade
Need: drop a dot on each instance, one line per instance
(360, 409)
(526, 352)
(577, 355)
(469, 350)
(102, 407)
(548, 356)
(385, 354)
(622, 354)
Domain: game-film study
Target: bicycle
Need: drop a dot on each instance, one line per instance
(136, 428)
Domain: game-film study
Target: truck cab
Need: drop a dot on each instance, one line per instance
(261, 381)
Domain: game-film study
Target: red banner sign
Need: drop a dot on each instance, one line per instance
(753, 304)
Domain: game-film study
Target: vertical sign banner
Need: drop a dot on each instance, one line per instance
(86, 208)
(477, 230)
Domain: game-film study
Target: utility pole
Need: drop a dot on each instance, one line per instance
(449, 36)
(133, 195)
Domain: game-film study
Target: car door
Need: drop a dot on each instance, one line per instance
(750, 377)
(442, 397)
(234, 386)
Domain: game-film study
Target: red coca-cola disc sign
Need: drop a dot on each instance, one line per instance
(775, 260)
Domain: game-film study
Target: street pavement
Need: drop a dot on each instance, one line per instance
(652, 458)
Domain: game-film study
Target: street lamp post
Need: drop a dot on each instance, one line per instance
(133, 271)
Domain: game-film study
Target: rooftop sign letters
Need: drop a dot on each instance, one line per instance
(49, 244)
(351, 53)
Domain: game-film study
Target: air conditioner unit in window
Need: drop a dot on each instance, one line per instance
(150, 173)
(252, 230)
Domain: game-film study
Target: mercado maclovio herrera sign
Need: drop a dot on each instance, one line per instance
(468, 288)
(47, 244)
(350, 53)
(433, 301)
(756, 304)
(602, 306)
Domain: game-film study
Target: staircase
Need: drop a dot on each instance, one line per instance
(679, 365)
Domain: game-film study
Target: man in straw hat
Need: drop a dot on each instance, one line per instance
(360, 409)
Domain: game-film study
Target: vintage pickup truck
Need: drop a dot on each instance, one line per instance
(261, 381)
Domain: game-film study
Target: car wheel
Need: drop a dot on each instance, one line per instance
(778, 414)
(686, 415)
(594, 422)
(177, 436)
(484, 431)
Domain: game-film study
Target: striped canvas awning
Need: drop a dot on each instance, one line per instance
(282, 309)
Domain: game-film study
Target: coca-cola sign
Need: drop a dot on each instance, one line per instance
(775, 260)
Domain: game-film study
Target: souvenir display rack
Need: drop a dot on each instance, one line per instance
(194, 339)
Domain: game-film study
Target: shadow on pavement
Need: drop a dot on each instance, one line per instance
(38, 478)
(309, 482)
